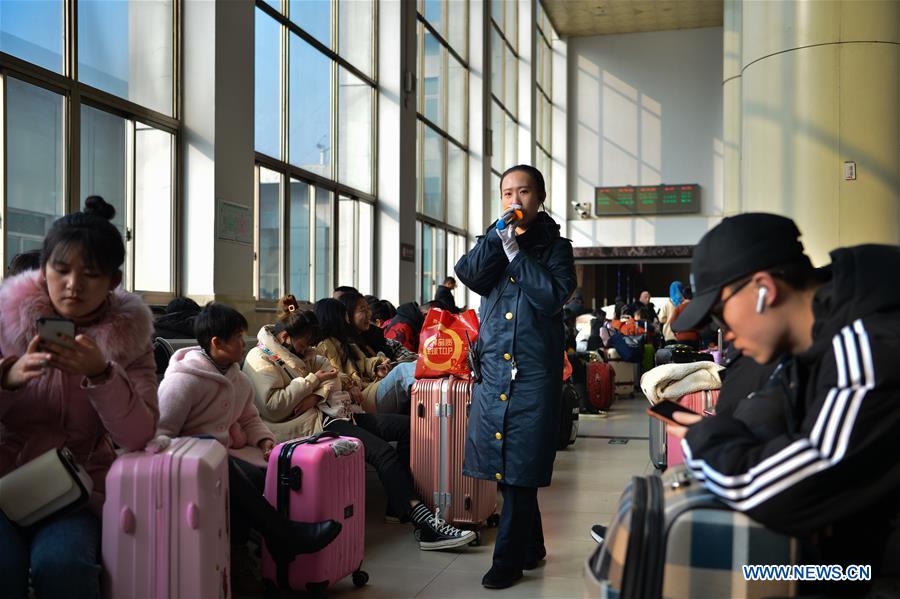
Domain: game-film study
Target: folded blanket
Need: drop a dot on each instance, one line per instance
(671, 381)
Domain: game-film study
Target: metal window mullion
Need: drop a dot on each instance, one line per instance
(440, 131)
(4, 181)
(256, 223)
(312, 41)
(130, 203)
(311, 250)
(335, 130)
(436, 222)
(286, 232)
(284, 93)
(324, 182)
(442, 40)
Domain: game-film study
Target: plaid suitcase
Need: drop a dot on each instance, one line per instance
(672, 538)
(658, 444)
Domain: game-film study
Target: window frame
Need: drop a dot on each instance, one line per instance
(289, 171)
(76, 94)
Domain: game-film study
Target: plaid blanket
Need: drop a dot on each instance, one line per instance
(694, 546)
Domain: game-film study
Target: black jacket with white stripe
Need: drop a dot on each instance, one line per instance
(817, 450)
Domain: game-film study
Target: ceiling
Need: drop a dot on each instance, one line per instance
(603, 17)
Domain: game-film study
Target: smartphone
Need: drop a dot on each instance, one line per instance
(665, 409)
(52, 328)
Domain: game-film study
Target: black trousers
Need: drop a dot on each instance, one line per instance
(375, 431)
(521, 533)
(249, 509)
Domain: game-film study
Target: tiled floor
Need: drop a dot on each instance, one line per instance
(587, 481)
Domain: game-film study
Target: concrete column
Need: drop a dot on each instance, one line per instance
(559, 184)
(731, 106)
(821, 86)
(396, 210)
(218, 148)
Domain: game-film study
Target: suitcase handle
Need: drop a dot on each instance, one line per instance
(313, 439)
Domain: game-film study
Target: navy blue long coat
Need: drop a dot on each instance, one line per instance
(513, 424)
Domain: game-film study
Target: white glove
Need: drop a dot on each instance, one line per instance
(508, 237)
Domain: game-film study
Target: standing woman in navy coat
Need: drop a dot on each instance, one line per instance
(524, 274)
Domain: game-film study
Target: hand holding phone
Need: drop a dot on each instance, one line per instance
(56, 330)
(665, 411)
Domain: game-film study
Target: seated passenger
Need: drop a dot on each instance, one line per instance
(30, 260)
(381, 386)
(690, 337)
(444, 294)
(178, 320)
(406, 325)
(628, 325)
(675, 299)
(372, 339)
(290, 359)
(382, 312)
(825, 463)
(96, 390)
(339, 291)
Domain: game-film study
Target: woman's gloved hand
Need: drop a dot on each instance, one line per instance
(508, 235)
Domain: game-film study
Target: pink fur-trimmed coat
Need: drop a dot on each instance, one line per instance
(65, 410)
(195, 398)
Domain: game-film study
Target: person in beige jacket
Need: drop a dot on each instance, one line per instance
(309, 401)
(289, 378)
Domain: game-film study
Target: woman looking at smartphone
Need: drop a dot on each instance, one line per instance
(84, 392)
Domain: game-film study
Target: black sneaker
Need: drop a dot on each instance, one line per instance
(598, 532)
(434, 533)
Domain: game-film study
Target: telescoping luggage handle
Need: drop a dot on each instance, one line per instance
(313, 439)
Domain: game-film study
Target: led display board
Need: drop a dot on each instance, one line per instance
(639, 200)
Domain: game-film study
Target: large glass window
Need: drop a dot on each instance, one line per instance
(356, 227)
(442, 137)
(35, 160)
(33, 31)
(504, 84)
(269, 242)
(125, 48)
(119, 143)
(323, 53)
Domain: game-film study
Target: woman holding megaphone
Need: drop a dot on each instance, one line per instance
(524, 272)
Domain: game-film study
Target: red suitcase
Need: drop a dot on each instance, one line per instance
(601, 384)
(440, 411)
(317, 478)
(165, 522)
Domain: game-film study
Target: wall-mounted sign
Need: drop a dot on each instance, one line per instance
(648, 199)
(408, 252)
(234, 222)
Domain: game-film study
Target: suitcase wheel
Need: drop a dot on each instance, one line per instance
(477, 541)
(493, 520)
(360, 578)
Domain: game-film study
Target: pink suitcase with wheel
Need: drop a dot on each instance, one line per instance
(438, 423)
(317, 478)
(165, 523)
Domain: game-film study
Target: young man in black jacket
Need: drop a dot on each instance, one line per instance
(816, 452)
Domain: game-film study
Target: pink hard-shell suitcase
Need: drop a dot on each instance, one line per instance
(321, 477)
(698, 402)
(440, 416)
(165, 522)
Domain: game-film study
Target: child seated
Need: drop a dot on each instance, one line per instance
(204, 392)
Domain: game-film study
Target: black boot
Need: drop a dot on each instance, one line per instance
(497, 579)
(301, 537)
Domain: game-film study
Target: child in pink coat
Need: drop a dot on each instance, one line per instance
(204, 392)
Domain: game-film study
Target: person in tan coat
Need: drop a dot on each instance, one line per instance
(295, 331)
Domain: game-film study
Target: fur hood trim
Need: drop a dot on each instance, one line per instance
(125, 332)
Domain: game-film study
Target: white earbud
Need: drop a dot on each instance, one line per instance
(761, 300)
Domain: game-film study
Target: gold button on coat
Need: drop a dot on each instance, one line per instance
(507, 357)
(498, 436)
(503, 397)
(509, 316)
(498, 476)
(512, 279)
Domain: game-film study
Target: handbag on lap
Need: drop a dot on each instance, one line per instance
(49, 484)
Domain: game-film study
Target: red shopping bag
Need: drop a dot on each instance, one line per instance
(567, 367)
(443, 347)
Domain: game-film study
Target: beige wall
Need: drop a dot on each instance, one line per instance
(819, 85)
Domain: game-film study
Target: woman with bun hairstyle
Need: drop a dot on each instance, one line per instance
(290, 379)
(86, 393)
(524, 272)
